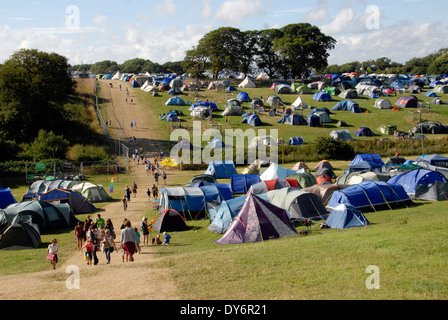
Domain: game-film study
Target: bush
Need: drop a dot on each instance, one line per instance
(84, 153)
(329, 148)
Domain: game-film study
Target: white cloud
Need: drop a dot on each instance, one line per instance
(167, 7)
(318, 14)
(236, 11)
(100, 19)
(340, 23)
(207, 10)
(400, 43)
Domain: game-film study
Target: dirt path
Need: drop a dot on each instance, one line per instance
(141, 279)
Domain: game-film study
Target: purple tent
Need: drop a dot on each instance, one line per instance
(258, 220)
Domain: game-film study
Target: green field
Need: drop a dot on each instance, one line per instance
(407, 245)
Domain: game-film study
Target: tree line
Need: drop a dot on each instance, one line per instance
(136, 66)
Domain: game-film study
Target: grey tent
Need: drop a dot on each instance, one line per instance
(382, 104)
(20, 235)
(437, 191)
(301, 205)
(47, 216)
(341, 135)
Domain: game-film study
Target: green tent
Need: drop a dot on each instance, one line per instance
(300, 88)
(305, 179)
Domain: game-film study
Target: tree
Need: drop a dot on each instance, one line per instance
(34, 85)
(265, 57)
(47, 145)
(196, 62)
(221, 47)
(303, 47)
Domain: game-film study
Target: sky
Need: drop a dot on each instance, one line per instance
(162, 31)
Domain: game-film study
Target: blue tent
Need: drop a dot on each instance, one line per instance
(430, 94)
(212, 106)
(364, 132)
(365, 166)
(172, 117)
(435, 83)
(135, 84)
(175, 101)
(411, 179)
(241, 183)
(295, 141)
(189, 202)
(346, 216)
(107, 77)
(375, 158)
(78, 203)
(231, 88)
(254, 120)
(347, 105)
(243, 97)
(217, 143)
(6, 198)
(293, 119)
(321, 96)
(223, 189)
(369, 194)
(221, 169)
(313, 120)
(397, 85)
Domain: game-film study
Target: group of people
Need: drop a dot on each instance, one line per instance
(99, 235)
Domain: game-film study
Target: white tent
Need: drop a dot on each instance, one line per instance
(299, 103)
(275, 171)
(117, 76)
(262, 75)
(247, 83)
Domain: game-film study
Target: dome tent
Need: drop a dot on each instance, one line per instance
(47, 216)
(258, 220)
(169, 220)
(243, 97)
(93, 192)
(410, 180)
(346, 216)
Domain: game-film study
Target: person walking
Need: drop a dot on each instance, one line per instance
(128, 193)
(87, 223)
(145, 231)
(164, 177)
(155, 191)
(128, 241)
(109, 245)
(79, 234)
(125, 203)
(134, 189)
(95, 236)
(156, 177)
(52, 252)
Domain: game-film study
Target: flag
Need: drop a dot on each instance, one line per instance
(112, 184)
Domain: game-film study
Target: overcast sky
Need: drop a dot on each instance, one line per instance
(118, 30)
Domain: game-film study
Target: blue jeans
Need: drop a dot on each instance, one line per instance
(108, 251)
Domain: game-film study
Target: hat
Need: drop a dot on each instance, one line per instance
(144, 218)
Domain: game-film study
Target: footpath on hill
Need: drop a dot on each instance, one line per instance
(142, 279)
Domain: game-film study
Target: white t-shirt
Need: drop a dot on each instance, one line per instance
(52, 249)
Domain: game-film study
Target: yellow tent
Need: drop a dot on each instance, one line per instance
(169, 162)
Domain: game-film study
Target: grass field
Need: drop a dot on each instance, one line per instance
(407, 245)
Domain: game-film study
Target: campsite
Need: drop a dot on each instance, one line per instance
(345, 199)
(390, 238)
